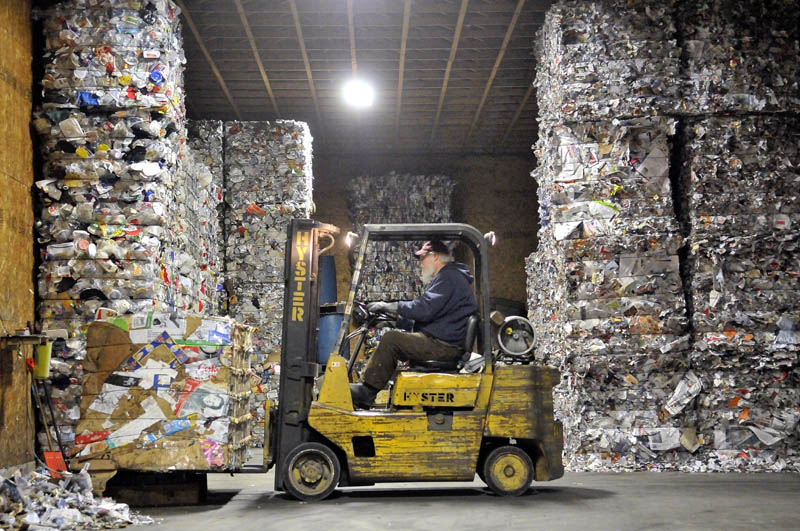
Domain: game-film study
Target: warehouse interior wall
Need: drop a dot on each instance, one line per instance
(16, 229)
(493, 192)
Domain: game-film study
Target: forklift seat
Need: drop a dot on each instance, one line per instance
(453, 365)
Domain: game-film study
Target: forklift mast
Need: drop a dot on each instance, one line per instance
(299, 335)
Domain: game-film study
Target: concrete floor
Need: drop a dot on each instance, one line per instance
(644, 500)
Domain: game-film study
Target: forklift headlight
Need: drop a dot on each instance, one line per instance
(351, 239)
(490, 237)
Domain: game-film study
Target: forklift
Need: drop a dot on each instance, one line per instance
(490, 412)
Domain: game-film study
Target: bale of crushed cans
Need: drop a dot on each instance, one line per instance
(127, 213)
(390, 270)
(268, 182)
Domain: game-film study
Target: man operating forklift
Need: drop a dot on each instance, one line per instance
(436, 321)
(438, 424)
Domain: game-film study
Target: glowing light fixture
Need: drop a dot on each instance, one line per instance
(358, 94)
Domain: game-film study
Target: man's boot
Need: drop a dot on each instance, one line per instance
(363, 395)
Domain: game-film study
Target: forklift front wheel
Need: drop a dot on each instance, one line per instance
(312, 472)
(508, 471)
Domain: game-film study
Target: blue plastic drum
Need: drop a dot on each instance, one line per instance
(327, 280)
(328, 329)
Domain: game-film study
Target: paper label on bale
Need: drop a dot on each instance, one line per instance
(188, 388)
(203, 370)
(215, 456)
(217, 431)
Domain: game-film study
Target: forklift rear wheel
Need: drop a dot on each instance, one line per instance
(312, 472)
(508, 471)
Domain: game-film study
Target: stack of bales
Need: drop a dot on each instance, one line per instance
(122, 225)
(390, 270)
(605, 292)
(205, 142)
(740, 211)
(741, 177)
(268, 182)
(724, 387)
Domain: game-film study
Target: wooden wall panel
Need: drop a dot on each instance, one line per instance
(492, 193)
(16, 228)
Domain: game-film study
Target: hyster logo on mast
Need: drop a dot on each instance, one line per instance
(302, 244)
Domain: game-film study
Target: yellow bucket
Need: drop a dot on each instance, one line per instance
(41, 365)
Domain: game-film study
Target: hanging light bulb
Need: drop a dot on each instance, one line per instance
(358, 94)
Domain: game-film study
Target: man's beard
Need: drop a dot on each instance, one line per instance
(427, 276)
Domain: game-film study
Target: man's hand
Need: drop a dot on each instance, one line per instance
(382, 307)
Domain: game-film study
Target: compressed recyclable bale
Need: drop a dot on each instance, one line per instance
(166, 393)
(605, 293)
(607, 59)
(390, 271)
(739, 56)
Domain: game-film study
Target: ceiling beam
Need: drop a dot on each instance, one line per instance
(300, 38)
(493, 73)
(207, 55)
(351, 27)
(517, 113)
(257, 56)
(453, 48)
(403, 41)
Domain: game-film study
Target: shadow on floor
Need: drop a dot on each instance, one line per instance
(214, 500)
(433, 494)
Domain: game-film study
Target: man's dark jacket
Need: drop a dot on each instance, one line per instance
(442, 311)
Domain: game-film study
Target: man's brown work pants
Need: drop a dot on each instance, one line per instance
(404, 346)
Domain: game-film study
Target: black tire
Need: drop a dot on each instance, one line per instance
(508, 471)
(312, 472)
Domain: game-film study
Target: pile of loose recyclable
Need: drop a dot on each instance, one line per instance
(740, 56)
(605, 60)
(268, 182)
(36, 501)
(605, 293)
(740, 180)
(390, 269)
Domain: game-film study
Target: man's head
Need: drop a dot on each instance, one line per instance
(432, 256)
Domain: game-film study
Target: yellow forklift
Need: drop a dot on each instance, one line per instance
(439, 421)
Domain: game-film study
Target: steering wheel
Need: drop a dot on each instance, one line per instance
(360, 313)
(363, 317)
(364, 320)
